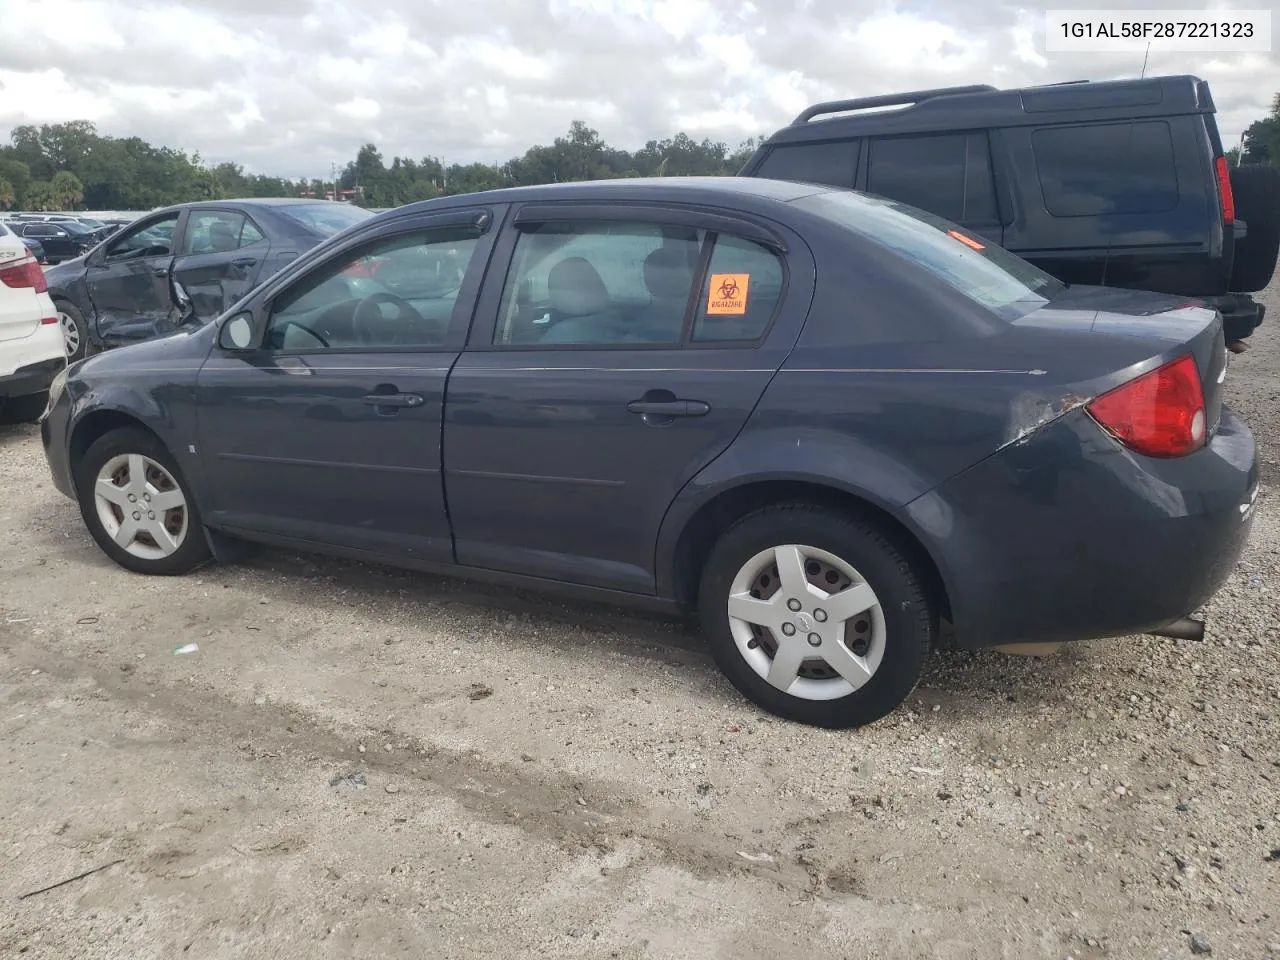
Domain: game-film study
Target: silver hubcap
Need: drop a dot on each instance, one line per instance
(141, 506)
(70, 333)
(807, 622)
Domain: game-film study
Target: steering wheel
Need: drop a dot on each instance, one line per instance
(372, 328)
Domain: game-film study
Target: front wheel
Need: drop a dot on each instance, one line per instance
(137, 505)
(815, 616)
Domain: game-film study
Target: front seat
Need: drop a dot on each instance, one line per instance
(221, 237)
(579, 295)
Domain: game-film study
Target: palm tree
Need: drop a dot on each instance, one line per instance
(67, 190)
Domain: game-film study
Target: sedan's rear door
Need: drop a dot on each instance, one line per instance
(218, 262)
(615, 353)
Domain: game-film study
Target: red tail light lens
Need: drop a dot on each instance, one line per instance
(1160, 414)
(1224, 190)
(25, 273)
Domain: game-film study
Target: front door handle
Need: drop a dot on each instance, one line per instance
(669, 408)
(244, 261)
(394, 399)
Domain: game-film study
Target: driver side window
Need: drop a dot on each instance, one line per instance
(398, 292)
(155, 239)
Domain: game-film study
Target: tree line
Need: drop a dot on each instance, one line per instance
(68, 166)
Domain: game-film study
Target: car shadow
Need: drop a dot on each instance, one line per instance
(969, 684)
(13, 434)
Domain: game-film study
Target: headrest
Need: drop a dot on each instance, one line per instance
(576, 288)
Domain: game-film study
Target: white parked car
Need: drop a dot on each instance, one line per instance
(32, 348)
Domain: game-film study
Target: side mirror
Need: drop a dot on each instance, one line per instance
(237, 332)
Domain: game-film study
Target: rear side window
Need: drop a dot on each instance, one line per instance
(741, 291)
(1093, 170)
(835, 164)
(949, 175)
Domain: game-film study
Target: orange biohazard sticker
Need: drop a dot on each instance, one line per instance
(727, 296)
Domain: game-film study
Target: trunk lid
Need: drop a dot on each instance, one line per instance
(1130, 332)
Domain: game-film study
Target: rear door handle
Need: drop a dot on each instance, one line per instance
(394, 399)
(669, 408)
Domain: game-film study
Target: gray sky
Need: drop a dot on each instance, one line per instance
(287, 86)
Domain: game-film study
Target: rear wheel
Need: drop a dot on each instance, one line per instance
(1256, 190)
(74, 334)
(815, 616)
(137, 505)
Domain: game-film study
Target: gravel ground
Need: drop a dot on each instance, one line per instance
(363, 763)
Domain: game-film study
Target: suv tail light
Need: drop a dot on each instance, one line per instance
(1224, 190)
(25, 273)
(1160, 414)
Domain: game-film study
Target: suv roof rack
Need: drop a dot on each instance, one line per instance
(888, 100)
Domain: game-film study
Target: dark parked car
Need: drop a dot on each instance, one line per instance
(184, 265)
(36, 248)
(828, 422)
(61, 241)
(1122, 183)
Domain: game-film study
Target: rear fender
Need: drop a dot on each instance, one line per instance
(834, 461)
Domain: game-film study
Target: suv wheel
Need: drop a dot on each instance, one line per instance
(1256, 189)
(815, 616)
(137, 505)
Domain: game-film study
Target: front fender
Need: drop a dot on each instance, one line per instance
(828, 459)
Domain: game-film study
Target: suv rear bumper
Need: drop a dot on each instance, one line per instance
(1241, 314)
(32, 379)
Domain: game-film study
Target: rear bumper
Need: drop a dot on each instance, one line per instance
(31, 379)
(1041, 543)
(1241, 314)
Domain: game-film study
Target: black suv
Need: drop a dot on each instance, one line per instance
(1120, 183)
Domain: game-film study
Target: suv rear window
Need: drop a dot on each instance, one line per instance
(987, 274)
(1099, 169)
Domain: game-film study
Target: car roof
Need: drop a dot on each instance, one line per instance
(242, 203)
(693, 190)
(979, 106)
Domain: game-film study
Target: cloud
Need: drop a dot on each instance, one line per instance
(289, 86)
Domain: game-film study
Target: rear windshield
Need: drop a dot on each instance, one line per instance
(325, 219)
(988, 274)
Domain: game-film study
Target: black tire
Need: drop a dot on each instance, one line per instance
(1256, 189)
(75, 318)
(192, 551)
(25, 409)
(909, 618)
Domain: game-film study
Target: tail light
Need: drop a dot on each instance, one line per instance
(1224, 190)
(1160, 414)
(25, 273)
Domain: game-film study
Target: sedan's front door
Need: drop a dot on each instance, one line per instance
(128, 281)
(218, 263)
(615, 362)
(327, 430)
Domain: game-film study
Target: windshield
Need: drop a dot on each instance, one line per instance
(326, 218)
(984, 272)
(72, 226)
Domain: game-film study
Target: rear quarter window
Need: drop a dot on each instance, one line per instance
(1094, 170)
